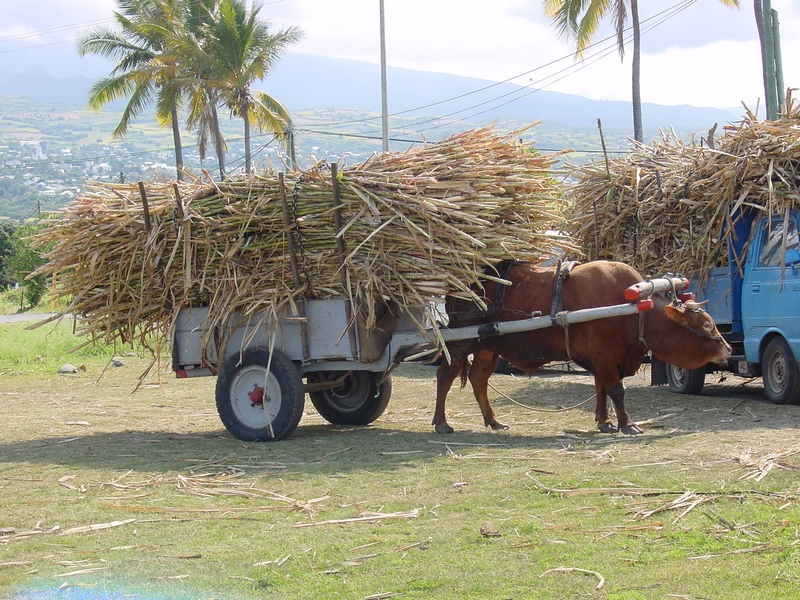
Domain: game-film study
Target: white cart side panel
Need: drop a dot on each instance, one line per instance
(326, 326)
(189, 334)
(328, 336)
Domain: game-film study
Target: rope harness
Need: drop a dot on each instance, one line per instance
(557, 314)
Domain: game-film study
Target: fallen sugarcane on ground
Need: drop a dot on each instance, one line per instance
(672, 204)
(414, 225)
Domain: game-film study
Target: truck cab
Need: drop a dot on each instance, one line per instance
(755, 301)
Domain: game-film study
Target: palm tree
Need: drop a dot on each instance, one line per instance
(144, 72)
(237, 49)
(581, 18)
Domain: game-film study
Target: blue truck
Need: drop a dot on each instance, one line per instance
(755, 301)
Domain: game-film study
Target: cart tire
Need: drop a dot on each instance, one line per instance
(360, 400)
(780, 373)
(686, 381)
(240, 395)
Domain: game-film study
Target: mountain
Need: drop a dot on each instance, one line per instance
(40, 86)
(306, 81)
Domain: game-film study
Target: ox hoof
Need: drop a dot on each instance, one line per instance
(445, 428)
(632, 429)
(497, 425)
(607, 428)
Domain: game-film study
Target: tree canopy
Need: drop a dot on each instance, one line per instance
(197, 55)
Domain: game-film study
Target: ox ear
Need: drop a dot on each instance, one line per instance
(677, 314)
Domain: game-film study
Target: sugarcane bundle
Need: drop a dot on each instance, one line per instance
(671, 205)
(415, 226)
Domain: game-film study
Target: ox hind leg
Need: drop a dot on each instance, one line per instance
(612, 386)
(483, 365)
(445, 375)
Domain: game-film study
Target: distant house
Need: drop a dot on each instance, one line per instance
(37, 153)
(100, 169)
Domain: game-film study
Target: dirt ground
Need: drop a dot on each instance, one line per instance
(731, 409)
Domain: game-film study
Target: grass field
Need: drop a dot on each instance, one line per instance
(107, 493)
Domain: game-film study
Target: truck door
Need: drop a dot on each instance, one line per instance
(770, 301)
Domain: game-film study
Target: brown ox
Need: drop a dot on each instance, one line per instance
(611, 348)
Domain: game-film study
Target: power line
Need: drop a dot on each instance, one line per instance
(378, 138)
(564, 72)
(41, 32)
(670, 12)
(602, 53)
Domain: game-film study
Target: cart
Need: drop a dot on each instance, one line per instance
(266, 364)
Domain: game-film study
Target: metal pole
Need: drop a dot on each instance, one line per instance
(567, 317)
(776, 38)
(384, 100)
(291, 146)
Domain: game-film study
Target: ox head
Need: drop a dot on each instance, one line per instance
(697, 341)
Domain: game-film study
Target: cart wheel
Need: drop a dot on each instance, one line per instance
(358, 401)
(242, 404)
(780, 373)
(686, 381)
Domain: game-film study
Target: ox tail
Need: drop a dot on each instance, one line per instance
(465, 367)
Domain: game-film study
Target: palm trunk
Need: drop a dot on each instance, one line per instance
(218, 145)
(636, 97)
(176, 138)
(246, 119)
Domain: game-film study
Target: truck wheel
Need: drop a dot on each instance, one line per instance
(780, 373)
(358, 401)
(686, 381)
(243, 406)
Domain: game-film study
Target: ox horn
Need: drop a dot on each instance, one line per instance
(694, 306)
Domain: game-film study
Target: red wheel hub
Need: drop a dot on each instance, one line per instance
(257, 396)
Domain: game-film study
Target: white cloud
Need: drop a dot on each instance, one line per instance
(706, 55)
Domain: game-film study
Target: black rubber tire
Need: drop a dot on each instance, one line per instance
(360, 400)
(686, 381)
(780, 373)
(246, 420)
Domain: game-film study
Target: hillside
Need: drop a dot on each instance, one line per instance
(50, 143)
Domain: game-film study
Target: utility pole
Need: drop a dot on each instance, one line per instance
(384, 100)
(290, 146)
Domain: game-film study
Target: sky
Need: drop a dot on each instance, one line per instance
(697, 52)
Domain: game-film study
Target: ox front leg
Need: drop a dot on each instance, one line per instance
(445, 375)
(604, 424)
(483, 364)
(626, 424)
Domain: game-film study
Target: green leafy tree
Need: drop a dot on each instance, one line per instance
(144, 72)
(7, 229)
(243, 50)
(234, 49)
(22, 260)
(581, 18)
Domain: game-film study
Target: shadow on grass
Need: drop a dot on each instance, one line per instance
(403, 435)
(319, 447)
(314, 448)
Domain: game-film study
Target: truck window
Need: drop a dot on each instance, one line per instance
(771, 252)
